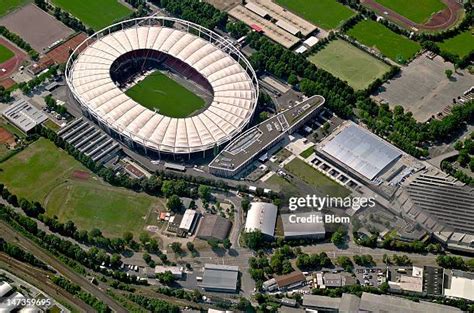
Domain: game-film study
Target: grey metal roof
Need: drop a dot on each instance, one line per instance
(24, 115)
(361, 150)
(220, 277)
(261, 216)
(302, 229)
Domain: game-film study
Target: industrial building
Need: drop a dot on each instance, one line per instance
(220, 278)
(285, 282)
(213, 226)
(360, 150)
(176, 271)
(310, 230)
(90, 140)
(460, 285)
(262, 217)
(188, 223)
(208, 59)
(372, 303)
(24, 115)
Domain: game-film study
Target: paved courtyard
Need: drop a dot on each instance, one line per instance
(423, 88)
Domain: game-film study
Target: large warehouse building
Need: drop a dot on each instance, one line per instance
(187, 49)
(361, 151)
(262, 217)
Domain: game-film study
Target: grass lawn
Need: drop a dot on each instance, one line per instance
(306, 153)
(418, 11)
(327, 14)
(313, 177)
(159, 92)
(5, 54)
(94, 13)
(390, 44)
(43, 173)
(460, 45)
(6, 6)
(349, 63)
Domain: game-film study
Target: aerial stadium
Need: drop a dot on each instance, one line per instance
(163, 86)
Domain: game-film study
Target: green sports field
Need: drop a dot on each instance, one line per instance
(44, 173)
(6, 6)
(328, 14)
(460, 45)
(5, 54)
(390, 44)
(418, 11)
(159, 92)
(349, 63)
(315, 178)
(96, 14)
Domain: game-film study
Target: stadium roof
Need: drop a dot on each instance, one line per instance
(220, 277)
(261, 216)
(361, 150)
(234, 86)
(24, 115)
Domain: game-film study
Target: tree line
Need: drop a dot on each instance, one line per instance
(17, 40)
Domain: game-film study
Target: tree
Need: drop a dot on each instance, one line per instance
(227, 244)
(213, 243)
(345, 262)
(176, 247)
(449, 73)
(166, 278)
(338, 237)
(174, 203)
(144, 237)
(292, 79)
(128, 236)
(204, 192)
(245, 203)
(254, 239)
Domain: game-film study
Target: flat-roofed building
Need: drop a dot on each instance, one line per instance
(303, 225)
(4, 288)
(260, 24)
(213, 226)
(189, 222)
(288, 27)
(360, 150)
(24, 115)
(256, 9)
(220, 278)
(460, 285)
(176, 271)
(290, 281)
(261, 217)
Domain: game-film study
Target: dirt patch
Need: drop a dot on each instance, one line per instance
(36, 27)
(6, 137)
(81, 175)
(60, 54)
(439, 21)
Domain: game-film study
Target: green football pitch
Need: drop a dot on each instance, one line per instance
(161, 93)
(418, 11)
(44, 173)
(328, 14)
(390, 44)
(7, 6)
(97, 14)
(460, 45)
(349, 63)
(5, 54)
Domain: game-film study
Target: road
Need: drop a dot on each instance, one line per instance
(10, 235)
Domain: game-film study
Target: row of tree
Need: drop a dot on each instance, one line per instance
(77, 291)
(21, 255)
(17, 40)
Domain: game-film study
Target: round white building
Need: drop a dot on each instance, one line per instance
(193, 49)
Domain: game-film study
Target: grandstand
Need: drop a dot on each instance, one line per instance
(101, 67)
